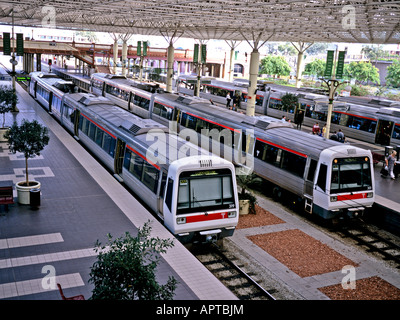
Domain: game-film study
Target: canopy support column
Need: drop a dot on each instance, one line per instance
(253, 74)
(301, 48)
(170, 56)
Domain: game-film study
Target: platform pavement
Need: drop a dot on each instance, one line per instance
(305, 287)
(80, 203)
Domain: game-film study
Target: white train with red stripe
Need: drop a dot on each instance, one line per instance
(192, 191)
(298, 164)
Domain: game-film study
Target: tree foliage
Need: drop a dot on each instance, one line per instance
(275, 65)
(393, 74)
(362, 72)
(29, 138)
(289, 101)
(125, 268)
(315, 68)
(8, 99)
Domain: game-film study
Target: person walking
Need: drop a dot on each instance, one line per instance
(390, 163)
(228, 100)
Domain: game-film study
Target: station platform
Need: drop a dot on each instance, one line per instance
(80, 203)
(302, 261)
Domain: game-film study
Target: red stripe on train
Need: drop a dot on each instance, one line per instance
(208, 217)
(352, 196)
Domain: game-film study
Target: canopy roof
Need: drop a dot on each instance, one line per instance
(357, 21)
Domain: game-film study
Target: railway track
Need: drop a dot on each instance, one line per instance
(230, 274)
(373, 242)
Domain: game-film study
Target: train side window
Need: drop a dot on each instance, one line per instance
(396, 131)
(150, 177)
(168, 198)
(163, 183)
(322, 177)
(311, 170)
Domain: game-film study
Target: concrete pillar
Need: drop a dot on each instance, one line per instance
(124, 57)
(170, 67)
(115, 56)
(230, 71)
(251, 91)
(299, 72)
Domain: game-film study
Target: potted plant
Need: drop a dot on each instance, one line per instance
(247, 201)
(7, 99)
(29, 138)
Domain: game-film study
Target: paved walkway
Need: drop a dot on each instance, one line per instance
(80, 203)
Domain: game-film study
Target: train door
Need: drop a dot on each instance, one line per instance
(119, 158)
(130, 99)
(50, 102)
(384, 132)
(320, 198)
(76, 119)
(161, 193)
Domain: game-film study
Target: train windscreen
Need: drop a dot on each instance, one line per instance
(351, 174)
(205, 190)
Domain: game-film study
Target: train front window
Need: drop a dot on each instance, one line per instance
(205, 190)
(351, 174)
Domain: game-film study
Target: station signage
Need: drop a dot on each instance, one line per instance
(340, 65)
(196, 53)
(329, 64)
(203, 53)
(6, 44)
(20, 44)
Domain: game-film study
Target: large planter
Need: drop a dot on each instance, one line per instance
(23, 191)
(244, 206)
(2, 132)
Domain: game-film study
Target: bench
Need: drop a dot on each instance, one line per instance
(78, 297)
(6, 196)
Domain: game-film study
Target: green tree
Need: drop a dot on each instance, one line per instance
(289, 101)
(8, 98)
(372, 52)
(362, 72)
(393, 74)
(275, 65)
(315, 68)
(29, 138)
(125, 268)
(317, 48)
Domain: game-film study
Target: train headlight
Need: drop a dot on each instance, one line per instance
(181, 220)
(232, 214)
(370, 194)
(333, 198)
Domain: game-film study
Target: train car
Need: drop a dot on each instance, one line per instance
(379, 124)
(275, 151)
(371, 122)
(49, 89)
(81, 82)
(192, 191)
(216, 90)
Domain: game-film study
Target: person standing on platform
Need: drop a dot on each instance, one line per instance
(299, 118)
(340, 136)
(228, 100)
(390, 163)
(315, 129)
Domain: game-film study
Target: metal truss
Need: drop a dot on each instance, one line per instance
(353, 21)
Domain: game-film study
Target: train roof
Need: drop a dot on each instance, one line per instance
(145, 135)
(129, 83)
(230, 118)
(115, 115)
